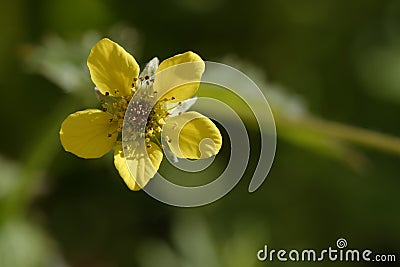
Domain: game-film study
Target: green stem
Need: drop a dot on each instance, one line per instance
(364, 137)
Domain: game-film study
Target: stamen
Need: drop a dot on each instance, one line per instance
(172, 107)
(107, 93)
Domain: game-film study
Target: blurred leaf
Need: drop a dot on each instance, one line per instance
(194, 246)
(63, 63)
(165, 255)
(193, 240)
(23, 245)
(9, 174)
(240, 248)
(379, 70)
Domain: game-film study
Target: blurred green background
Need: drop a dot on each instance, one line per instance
(330, 69)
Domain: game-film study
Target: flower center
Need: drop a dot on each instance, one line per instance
(143, 113)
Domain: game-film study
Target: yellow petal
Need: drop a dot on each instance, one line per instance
(192, 135)
(179, 76)
(85, 133)
(112, 68)
(137, 169)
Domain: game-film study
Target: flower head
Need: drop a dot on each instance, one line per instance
(150, 107)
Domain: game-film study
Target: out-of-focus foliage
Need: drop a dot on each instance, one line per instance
(22, 245)
(329, 69)
(201, 248)
(9, 170)
(378, 59)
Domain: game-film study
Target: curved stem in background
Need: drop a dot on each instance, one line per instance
(368, 138)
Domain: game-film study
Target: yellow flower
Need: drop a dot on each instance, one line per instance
(92, 133)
